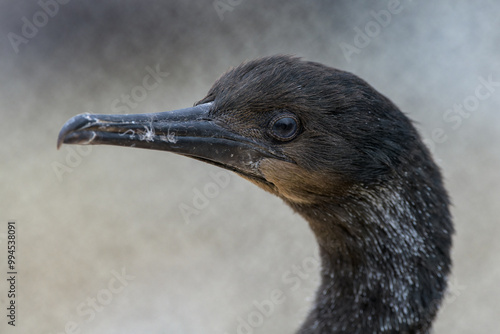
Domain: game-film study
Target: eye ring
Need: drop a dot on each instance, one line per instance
(284, 127)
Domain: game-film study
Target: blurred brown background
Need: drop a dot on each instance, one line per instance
(86, 216)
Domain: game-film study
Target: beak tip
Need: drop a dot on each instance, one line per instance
(60, 138)
(73, 124)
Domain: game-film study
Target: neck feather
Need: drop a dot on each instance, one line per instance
(385, 260)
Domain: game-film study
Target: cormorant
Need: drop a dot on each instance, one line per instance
(341, 155)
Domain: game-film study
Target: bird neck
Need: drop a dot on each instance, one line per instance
(381, 270)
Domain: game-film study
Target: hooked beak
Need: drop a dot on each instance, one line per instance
(191, 132)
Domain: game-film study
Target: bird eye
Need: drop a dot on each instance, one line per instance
(284, 128)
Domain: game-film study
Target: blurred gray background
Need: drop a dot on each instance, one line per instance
(86, 216)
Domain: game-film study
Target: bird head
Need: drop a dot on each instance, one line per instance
(301, 130)
(340, 154)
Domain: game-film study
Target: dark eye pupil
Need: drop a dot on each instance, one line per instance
(285, 128)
